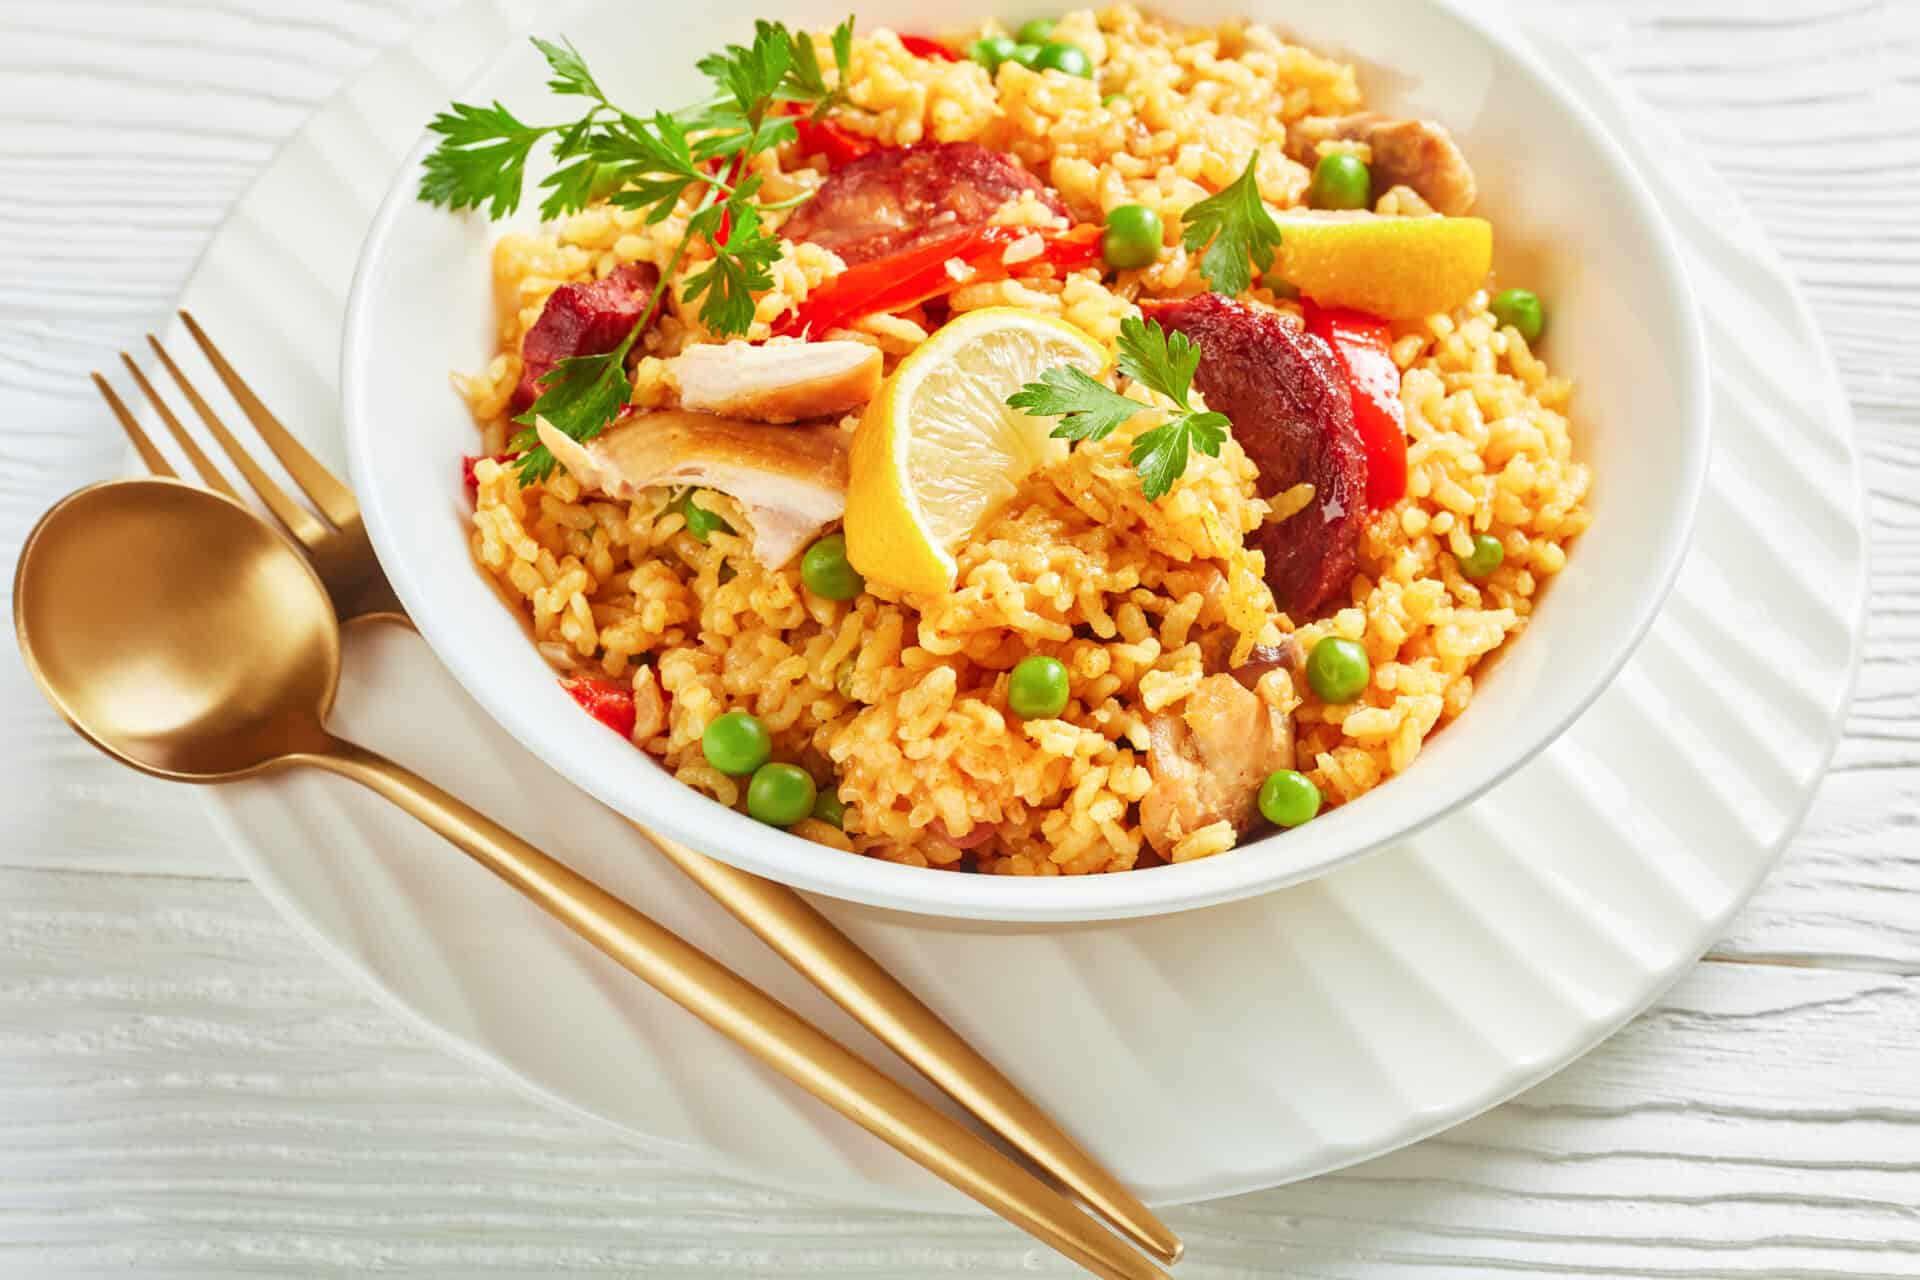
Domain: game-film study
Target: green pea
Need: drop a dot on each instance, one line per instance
(1035, 31)
(1026, 54)
(736, 743)
(780, 794)
(1288, 798)
(1340, 181)
(1338, 669)
(1038, 687)
(1117, 102)
(826, 573)
(1069, 59)
(1485, 557)
(991, 51)
(1132, 237)
(701, 523)
(830, 809)
(1521, 309)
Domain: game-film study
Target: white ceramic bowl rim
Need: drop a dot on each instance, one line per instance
(1360, 828)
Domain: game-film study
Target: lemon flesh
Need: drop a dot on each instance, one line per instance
(1395, 267)
(938, 448)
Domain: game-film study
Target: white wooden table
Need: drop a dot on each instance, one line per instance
(187, 1090)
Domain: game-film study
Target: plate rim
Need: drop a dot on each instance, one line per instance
(871, 1193)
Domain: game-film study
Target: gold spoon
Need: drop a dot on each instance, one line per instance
(180, 634)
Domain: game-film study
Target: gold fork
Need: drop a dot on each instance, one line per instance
(337, 547)
(781, 917)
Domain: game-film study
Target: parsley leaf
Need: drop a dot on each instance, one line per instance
(570, 74)
(741, 266)
(1164, 361)
(751, 73)
(1160, 455)
(1233, 225)
(691, 159)
(656, 163)
(1089, 410)
(805, 80)
(481, 160)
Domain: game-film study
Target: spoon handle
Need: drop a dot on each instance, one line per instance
(752, 1019)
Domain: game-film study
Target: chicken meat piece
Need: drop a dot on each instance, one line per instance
(1413, 153)
(778, 382)
(1208, 762)
(790, 482)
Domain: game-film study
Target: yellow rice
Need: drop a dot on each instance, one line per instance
(901, 702)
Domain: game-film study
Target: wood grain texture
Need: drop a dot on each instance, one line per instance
(187, 1090)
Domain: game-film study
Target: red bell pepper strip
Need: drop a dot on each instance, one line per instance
(1068, 250)
(922, 47)
(825, 138)
(1362, 344)
(609, 703)
(912, 276)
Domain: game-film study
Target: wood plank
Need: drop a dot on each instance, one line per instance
(232, 1103)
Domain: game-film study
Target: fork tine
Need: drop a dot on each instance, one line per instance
(320, 484)
(296, 519)
(209, 473)
(143, 446)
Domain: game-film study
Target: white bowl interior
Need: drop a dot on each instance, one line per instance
(1571, 221)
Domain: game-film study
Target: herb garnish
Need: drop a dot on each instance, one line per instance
(652, 164)
(1088, 410)
(1233, 226)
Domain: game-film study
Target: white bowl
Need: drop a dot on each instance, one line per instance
(1571, 219)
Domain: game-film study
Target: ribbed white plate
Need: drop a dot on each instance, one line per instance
(1201, 1054)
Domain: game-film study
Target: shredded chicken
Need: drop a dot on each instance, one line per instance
(1414, 153)
(778, 382)
(1208, 763)
(790, 482)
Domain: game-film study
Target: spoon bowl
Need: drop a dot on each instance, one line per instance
(177, 631)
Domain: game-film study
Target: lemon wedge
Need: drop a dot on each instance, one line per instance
(1397, 267)
(939, 448)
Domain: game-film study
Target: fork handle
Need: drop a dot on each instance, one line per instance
(881, 1003)
(752, 1019)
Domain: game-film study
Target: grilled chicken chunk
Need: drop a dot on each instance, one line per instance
(1208, 762)
(778, 382)
(790, 482)
(1414, 153)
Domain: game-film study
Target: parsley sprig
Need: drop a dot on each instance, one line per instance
(1090, 410)
(655, 164)
(1235, 229)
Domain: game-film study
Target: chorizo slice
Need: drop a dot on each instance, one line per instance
(582, 320)
(1293, 415)
(898, 198)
